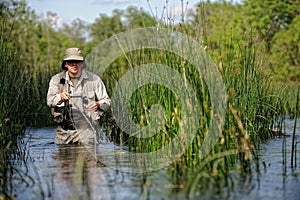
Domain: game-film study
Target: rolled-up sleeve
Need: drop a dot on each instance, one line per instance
(53, 96)
(101, 95)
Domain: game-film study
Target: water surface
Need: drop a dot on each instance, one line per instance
(72, 172)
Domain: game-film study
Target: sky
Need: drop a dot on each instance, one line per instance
(89, 10)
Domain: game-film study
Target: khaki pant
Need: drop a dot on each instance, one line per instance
(83, 134)
(80, 136)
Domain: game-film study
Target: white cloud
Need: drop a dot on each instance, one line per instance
(54, 20)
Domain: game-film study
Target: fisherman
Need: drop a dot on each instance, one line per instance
(77, 98)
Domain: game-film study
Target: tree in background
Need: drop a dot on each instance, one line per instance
(275, 23)
(284, 58)
(216, 23)
(219, 26)
(268, 17)
(271, 24)
(105, 27)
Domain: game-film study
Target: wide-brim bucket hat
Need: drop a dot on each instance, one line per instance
(72, 54)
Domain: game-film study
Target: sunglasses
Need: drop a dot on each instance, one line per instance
(70, 62)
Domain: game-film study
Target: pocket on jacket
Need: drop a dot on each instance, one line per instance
(91, 95)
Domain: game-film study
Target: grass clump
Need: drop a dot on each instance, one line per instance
(14, 105)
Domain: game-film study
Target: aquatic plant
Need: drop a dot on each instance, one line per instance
(14, 104)
(254, 107)
(294, 142)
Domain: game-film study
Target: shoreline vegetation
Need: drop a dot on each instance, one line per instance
(249, 62)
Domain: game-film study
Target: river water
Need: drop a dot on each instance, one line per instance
(71, 172)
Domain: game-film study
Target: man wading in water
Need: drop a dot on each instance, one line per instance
(77, 98)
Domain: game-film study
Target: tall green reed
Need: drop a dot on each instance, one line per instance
(14, 104)
(254, 108)
(294, 130)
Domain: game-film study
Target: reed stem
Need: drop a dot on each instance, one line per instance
(294, 129)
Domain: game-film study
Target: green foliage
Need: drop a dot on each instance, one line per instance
(105, 27)
(276, 24)
(135, 18)
(285, 53)
(272, 23)
(217, 22)
(76, 32)
(14, 105)
(247, 41)
(270, 16)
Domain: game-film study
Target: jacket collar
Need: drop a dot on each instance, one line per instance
(84, 75)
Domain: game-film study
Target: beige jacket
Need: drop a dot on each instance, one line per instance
(89, 88)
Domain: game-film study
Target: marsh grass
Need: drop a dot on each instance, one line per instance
(254, 107)
(14, 104)
(294, 142)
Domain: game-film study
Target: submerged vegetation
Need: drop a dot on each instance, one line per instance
(243, 50)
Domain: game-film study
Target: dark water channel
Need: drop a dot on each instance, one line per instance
(70, 172)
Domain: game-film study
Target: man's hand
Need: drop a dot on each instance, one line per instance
(94, 106)
(65, 96)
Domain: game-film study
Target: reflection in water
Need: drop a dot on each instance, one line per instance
(73, 172)
(64, 171)
(76, 175)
